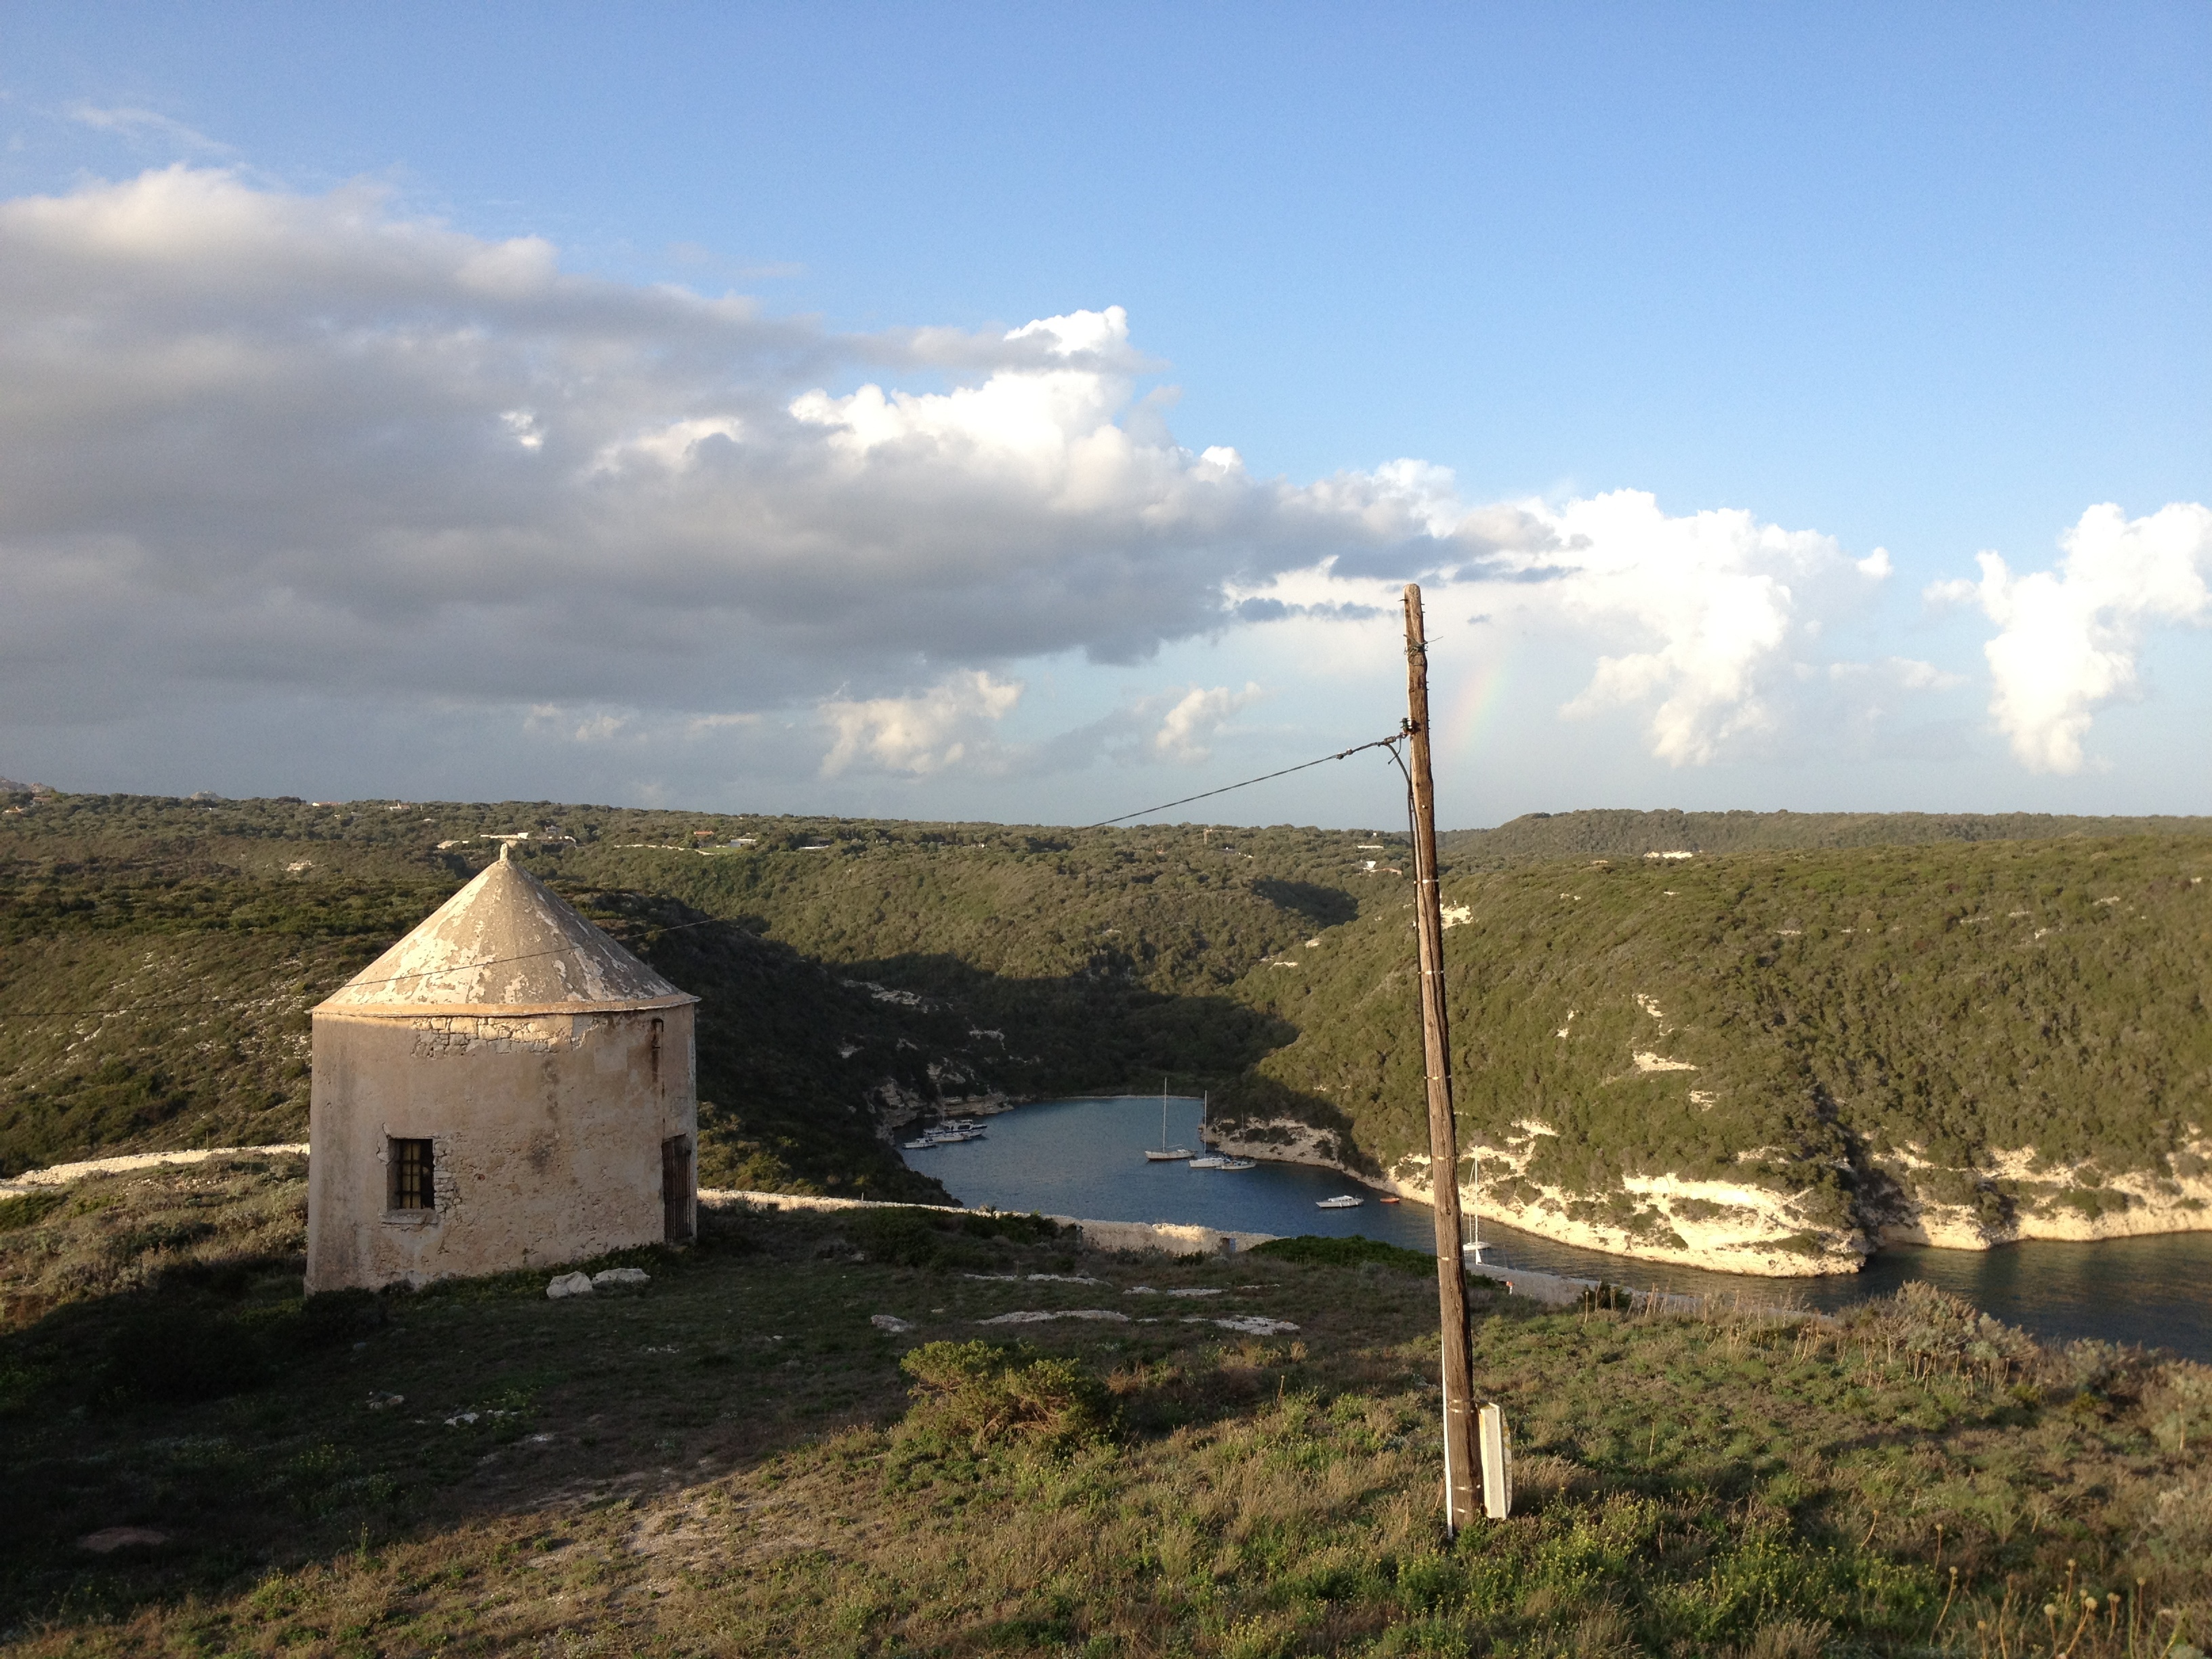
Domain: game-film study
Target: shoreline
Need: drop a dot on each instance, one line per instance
(1780, 1248)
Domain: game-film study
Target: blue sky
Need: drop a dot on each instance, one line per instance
(1818, 283)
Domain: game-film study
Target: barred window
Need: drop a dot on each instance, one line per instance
(412, 1188)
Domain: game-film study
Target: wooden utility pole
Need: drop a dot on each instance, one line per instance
(1462, 1475)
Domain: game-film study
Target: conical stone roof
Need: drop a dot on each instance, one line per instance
(505, 943)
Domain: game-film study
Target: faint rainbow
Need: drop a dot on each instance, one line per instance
(1473, 709)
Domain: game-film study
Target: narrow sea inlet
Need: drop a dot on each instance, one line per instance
(1085, 1157)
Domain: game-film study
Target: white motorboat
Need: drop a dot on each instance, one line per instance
(1238, 1163)
(1209, 1161)
(1341, 1201)
(921, 1145)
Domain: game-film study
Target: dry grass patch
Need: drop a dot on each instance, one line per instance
(733, 1459)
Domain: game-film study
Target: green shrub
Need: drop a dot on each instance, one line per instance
(1315, 1252)
(979, 1394)
(940, 1238)
(28, 1209)
(181, 1354)
(177, 1345)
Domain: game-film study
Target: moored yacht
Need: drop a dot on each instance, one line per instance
(1165, 1153)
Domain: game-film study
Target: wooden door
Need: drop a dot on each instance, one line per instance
(676, 1189)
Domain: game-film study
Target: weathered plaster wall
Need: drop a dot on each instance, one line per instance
(547, 1130)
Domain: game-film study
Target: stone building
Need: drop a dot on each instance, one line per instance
(506, 1087)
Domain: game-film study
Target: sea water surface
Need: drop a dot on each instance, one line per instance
(1085, 1157)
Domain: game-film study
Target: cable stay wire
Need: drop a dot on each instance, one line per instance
(1390, 742)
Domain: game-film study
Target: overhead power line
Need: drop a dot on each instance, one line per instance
(427, 973)
(1390, 742)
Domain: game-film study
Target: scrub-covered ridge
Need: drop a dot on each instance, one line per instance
(1769, 1060)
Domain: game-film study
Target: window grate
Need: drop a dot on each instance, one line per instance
(413, 1169)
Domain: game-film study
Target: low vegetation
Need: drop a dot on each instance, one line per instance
(1859, 1027)
(158, 958)
(735, 1457)
(1967, 1017)
(1558, 837)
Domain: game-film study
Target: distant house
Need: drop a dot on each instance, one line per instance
(506, 1087)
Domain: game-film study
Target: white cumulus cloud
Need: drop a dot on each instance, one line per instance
(1714, 597)
(259, 440)
(1699, 623)
(1192, 723)
(938, 728)
(263, 451)
(2068, 638)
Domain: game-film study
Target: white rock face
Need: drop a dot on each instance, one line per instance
(1256, 1325)
(620, 1276)
(1040, 1315)
(570, 1285)
(891, 1322)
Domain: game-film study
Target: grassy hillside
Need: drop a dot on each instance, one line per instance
(2001, 1026)
(733, 1458)
(160, 958)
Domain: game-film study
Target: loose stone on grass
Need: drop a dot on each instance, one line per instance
(1039, 1315)
(108, 1540)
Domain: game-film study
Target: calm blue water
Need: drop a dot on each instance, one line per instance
(1084, 1157)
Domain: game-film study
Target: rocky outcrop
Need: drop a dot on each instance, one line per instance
(1734, 1227)
(2018, 1195)
(895, 1106)
(1744, 1226)
(1729, 1226)
(1284, 1140)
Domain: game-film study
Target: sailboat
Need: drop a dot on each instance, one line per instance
(1165, 1153)
(1215, 1158)
(1472, 1248)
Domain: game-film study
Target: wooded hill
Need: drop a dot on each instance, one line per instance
(158, 957)
(1861, 1026)
(1537, 837)
(1858, 1017)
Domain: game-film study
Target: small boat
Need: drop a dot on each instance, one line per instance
(1238, 1163)
(953, 1137)
(1341, 1201)
(1210, 1161)
(1165, 1153)
(1389, 1198)
(921, 1145)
